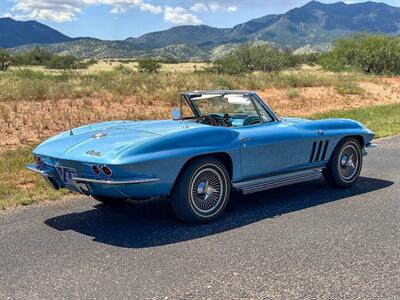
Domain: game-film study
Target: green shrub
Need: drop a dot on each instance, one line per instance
(292, 93)
(377, 54)
(62, 62)
(249, 58)
(5, 59)
(149, 65)
(349, 88)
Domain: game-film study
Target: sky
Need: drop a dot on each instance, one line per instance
(120, 19)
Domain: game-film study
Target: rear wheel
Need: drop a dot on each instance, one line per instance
(108, 200)
(345, 164)
(202, 191)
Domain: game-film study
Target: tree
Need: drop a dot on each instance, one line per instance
(149, 65)
(5, 60)
(249, 58)
(378, 54)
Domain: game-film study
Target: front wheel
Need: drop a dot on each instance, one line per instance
(344, 166)
(202, 191)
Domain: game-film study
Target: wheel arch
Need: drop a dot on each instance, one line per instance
(359, 138)
(223, 157)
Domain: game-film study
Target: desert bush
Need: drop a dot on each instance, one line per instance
(249, 58)
(149, 65)
(292, 93)
(34, 57)
(5, 59)
(349, 88)
(377, 54)
(63, 62)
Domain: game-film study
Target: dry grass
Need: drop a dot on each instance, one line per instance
(106, 65)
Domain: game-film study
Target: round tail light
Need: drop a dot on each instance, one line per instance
(37, 159)
(106, 170)
(96, 169)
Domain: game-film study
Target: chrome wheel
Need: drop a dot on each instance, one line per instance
(349, 161)
(207, 190)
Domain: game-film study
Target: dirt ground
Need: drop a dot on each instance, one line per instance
(28, 122)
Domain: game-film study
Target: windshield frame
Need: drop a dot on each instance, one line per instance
(251, 95)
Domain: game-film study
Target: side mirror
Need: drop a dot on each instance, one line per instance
(176, 113)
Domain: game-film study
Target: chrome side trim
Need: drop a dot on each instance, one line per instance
(114, 182)
(261, 184)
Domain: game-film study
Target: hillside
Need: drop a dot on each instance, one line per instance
(311, 27)
(16, 33)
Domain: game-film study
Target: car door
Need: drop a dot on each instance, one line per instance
(272, 147)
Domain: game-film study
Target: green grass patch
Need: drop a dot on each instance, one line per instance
(384, 120)
(18, 186)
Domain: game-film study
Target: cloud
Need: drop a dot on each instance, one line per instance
(67, 10)
(199, 7)
(212, 7)
(180, 16)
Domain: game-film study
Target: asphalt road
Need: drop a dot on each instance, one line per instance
(302, 241)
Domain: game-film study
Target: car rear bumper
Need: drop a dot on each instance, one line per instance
(96, 186)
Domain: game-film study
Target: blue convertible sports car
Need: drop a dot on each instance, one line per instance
(218, 141)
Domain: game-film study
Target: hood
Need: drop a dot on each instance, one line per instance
(106, 140)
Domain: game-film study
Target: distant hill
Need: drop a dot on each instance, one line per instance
(16, 33)
(312, 27)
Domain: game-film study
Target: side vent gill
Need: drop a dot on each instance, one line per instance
(318, 151)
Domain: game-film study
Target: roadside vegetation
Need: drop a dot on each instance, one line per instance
(384, 120)
(19, 186)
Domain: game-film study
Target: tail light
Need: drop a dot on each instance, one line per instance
(106, 170)
(96, 169)
(37, 159)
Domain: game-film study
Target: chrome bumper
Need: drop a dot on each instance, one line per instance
(49, 174)
(115, 182)
(52, 177)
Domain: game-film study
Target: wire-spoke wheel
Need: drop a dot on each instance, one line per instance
(344, 166)
(202, 191)
(207, 190)
(348, 162)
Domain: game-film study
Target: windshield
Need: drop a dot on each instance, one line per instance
(232, 104)
(229, 110)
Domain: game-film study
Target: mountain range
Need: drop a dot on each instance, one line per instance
(311, 27)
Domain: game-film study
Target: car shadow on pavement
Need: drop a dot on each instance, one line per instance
(152, 223)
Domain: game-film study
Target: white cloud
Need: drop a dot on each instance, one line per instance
(213, 7)
(180, 16)
(154, 9)
(67, 10)
(199, 7)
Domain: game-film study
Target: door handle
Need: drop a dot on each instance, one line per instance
(246, 139)
(320, 132)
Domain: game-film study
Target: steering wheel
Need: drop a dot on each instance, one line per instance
(208, 120)
(251, 120)
(222, 121)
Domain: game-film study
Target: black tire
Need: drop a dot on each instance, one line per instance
(344, 166)
(109, 200)
(202, 191)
